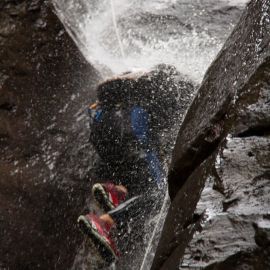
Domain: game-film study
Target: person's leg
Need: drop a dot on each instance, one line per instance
(126, 210)
(99, 230)
(107, 219)
(135, 207)
(140, 124)
(109, 195)
(140, 127)
(156, 169)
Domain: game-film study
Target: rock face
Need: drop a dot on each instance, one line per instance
(224, 141)
(45, 157)
(231, 236)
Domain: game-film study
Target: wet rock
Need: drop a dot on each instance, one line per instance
(253, 116)
(7, 27)
(228, 121)
(204, 128)
(246, 177)
(230, 231)
(262, 232)
(34, 5)
(256, 260)
(44, 85)
(179, 225)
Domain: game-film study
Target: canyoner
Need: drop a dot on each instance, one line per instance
(127, 122)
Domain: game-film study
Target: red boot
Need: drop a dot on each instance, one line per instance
(108, 196)
(99, 233)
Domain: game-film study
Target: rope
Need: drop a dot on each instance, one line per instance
(143, 265)
(117, 30)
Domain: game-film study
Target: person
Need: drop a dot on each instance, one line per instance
(126, 124)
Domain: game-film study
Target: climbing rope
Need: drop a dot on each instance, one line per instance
(117, 30)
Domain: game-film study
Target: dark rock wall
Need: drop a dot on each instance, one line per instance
(224, 141)
(202, 130)
(45, 159)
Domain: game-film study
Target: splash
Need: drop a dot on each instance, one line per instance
(147, 259)
(124, 35)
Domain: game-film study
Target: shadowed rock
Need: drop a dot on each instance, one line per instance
(44, 85)
(237, 229)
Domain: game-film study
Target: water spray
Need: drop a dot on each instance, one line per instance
(117, 30)
(150, 244)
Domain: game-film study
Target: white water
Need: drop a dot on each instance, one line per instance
(147, 36)
(117, 30)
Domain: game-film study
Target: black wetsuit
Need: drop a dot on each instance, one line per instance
(125, 130)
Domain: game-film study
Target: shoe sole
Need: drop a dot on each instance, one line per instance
(102, 198)
(105, 251)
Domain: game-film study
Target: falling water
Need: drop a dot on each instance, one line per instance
(117, 30)
(150, 32)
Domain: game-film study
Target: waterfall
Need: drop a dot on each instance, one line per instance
(146, 33)
(117, 30)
